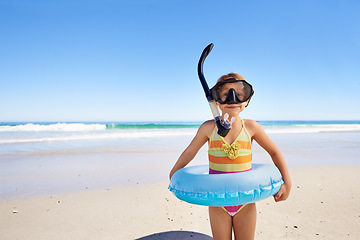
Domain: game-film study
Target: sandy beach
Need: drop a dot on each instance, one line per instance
(324, 204)
(115, 186)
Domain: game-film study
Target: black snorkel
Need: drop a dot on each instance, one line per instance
(222, 126)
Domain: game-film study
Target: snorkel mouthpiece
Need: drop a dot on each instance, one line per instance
(225, 125)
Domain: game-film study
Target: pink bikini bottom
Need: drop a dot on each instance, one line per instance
(233, 210)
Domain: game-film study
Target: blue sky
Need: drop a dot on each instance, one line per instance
(86, 60)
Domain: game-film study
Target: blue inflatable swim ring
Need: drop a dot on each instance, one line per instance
(195, 185)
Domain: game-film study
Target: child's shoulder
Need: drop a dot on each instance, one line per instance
(251, 125)
(207, 127)
(209, 124)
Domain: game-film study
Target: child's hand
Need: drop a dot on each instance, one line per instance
(283, 193)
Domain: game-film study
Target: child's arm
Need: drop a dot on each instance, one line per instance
(201, 137)
(260, 136)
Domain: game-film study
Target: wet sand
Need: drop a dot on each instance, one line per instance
(324, 204)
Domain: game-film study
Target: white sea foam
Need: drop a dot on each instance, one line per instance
(63, 132)
(313, 128)
(66, 127)
(102, 136)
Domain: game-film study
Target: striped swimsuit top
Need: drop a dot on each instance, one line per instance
(230, 158)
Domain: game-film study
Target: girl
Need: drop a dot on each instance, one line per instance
(232, 153)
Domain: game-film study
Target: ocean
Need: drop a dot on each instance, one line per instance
(51, 138)
(51, 158)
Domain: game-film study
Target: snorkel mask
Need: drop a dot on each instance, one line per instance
(232, 91)
(238, 92)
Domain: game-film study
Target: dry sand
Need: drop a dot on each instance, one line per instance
(324, 204)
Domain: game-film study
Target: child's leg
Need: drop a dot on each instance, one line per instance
(221, 223)
(244, 223)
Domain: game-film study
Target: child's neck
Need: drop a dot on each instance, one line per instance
(237, 121)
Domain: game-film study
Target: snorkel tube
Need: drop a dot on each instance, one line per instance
(223, 126)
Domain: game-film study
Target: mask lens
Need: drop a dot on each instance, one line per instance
(242, 90)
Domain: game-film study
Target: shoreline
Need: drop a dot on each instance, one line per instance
(324, 204)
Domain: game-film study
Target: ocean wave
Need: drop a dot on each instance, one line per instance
(313, 128)
(270, 126)
(62, 132)
(65, 127)
(76, 127)
(156, 133)
(151, 125)
(101, 136)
